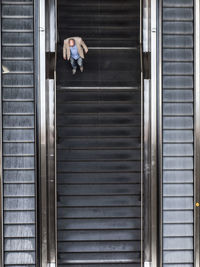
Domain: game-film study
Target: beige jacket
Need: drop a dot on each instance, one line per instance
(80, 46)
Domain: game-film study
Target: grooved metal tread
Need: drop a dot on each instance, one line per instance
(18, 133)
(178, 126)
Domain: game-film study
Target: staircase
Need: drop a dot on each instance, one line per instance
(19, 208)
(99, 139)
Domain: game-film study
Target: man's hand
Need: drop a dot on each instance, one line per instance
(64, 57)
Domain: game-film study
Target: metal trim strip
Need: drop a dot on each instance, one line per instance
(142, 135)
(196, 133)
(160, 135)
(41, 138)
(1, 158)
(51, 49)
(154, 132)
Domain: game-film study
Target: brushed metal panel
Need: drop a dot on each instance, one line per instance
(19, 231)
(178, 95)
(103, 95)
(18, 135)
(99, 223)
(19, 185)
(186, 163)
(178, 150)
(177, 216)
(19, 149)
(178, 82)
(15, 10)
(178, 122)
(178, 265)
(177, 3)
(178, 257)
(177, 41)
(18, 1)
(99, 201)
(23, 162)
(19, 190)
(105, 166)
(178, 13)
(99, 189)
(100, 107)
(176, 202)
(177, 54)
(19, 258)
(98, 212)
(178, 190)
(17, 38)
(19, 66)
(103, 119)
(99, 132)
(103, 258)
(19, 203)
(178, 136)
(18, 93)
(174, 230)
(103, 177)
(175, 68)
(12, 121)
(99, 235)
(19, 217)
(178, 176)
(19, 176)
(178, 109)
(177, 243)
(98, 155)
(109, 142)
(17, 52)
(91, 247)
(177, 27)
(17, 244)
(18, 107)
(17, 24)
(18, 80)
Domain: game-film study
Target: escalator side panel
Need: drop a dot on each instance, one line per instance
(178, 149)
(19, 182)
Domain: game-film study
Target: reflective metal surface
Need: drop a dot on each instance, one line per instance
(146, 137)
(160, 141)
(142, 134)
(196, 134)
(52, 240)
(154, 133)
(1, 173)
(51, 46)
(42, 146)
(146, 175)
(36, 70)
(178, 111)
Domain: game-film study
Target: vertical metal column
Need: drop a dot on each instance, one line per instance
(1, 178)
(42, 146)
(160, 135)
(146, 134)
(51, 42)
(196, 133)
(154, 134)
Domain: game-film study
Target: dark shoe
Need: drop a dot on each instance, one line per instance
(81, 68)
(73, 71)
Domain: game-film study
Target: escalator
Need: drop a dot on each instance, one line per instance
(18, 130)
(99, 137)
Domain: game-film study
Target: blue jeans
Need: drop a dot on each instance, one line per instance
(74, 62)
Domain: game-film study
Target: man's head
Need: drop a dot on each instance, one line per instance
(71, 42)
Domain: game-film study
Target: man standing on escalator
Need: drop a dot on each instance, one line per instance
(73, 50)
